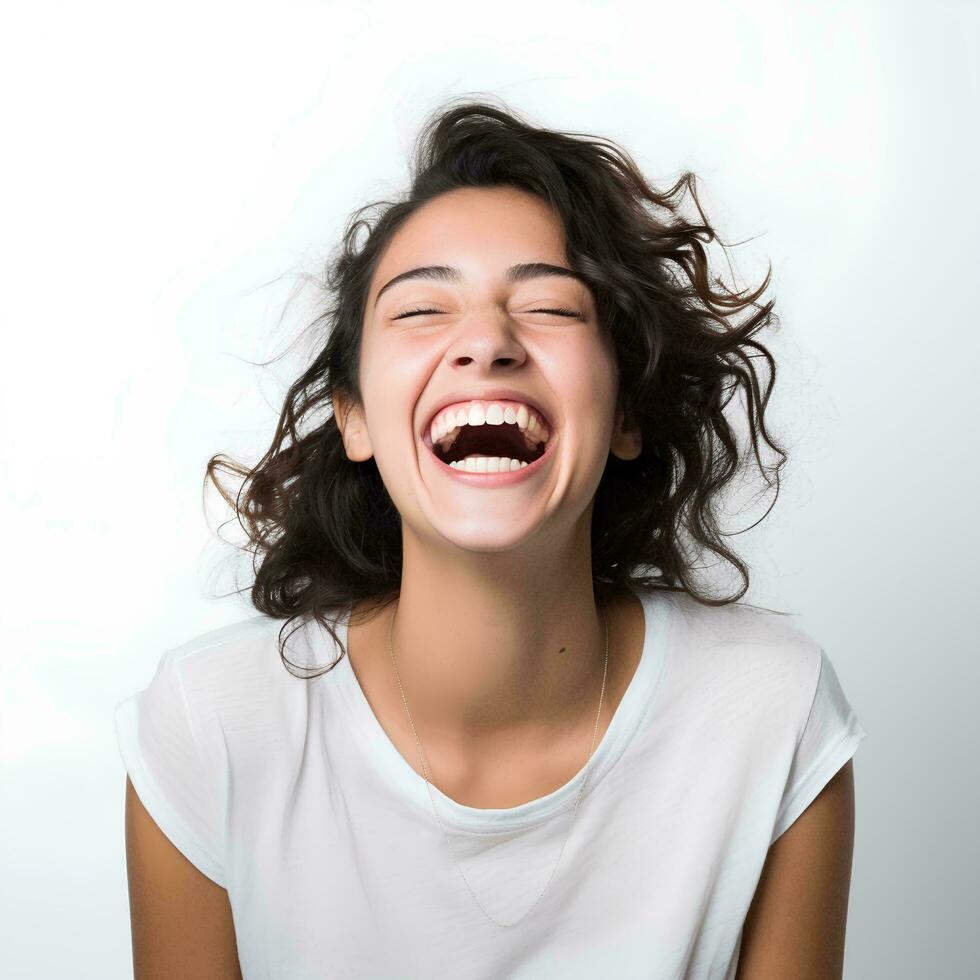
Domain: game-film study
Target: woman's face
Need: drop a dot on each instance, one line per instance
(481, 336)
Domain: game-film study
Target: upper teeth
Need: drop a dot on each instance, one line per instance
(447, 423)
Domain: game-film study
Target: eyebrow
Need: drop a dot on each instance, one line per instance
(448, 273)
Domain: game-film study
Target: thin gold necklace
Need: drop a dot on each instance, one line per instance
(428, 784)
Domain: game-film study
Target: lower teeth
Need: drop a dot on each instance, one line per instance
(488, 464)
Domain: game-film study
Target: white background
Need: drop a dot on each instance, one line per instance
(170, 173)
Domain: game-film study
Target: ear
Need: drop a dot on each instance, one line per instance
(626, 443)
(353, 428)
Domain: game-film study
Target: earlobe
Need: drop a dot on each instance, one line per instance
(627, 446)
(626, 443)
(353, 430)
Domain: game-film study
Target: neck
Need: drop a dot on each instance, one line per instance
(488, 644)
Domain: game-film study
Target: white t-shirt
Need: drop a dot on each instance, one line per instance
(288, 793)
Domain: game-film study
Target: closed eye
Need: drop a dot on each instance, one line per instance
(401, 316)
(560, 311)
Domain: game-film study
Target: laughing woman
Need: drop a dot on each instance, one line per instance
(487, 723)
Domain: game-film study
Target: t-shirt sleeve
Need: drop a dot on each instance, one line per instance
(159, 741)
(830, 737)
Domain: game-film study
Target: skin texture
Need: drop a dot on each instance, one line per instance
(181, 920)
(486, 671)
(796, 923)
(502, 681)
(528, 771)
(483, 686)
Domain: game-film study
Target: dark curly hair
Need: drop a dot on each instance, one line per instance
(323, 531)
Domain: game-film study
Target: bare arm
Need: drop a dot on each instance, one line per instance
(181, 920)
(796, 922)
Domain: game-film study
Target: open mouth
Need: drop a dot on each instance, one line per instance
(510, 441)
(504, 441)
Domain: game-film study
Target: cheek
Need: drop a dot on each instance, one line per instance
(397, 360)
(589, 394)
(588, 379)
(393, 378)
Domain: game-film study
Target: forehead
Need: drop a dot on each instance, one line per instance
(475, 227)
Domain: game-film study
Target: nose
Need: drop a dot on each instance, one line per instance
(487, 340)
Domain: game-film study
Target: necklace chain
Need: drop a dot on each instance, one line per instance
(578, 798)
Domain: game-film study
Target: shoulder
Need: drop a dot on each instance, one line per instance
(756, 632)
(745, 657)
(248, 652)
(241, 706)
(236, 676)
(237, 639)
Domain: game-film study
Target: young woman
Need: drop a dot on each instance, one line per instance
(487, 723)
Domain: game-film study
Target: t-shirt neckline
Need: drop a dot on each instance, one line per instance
(395, 769)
